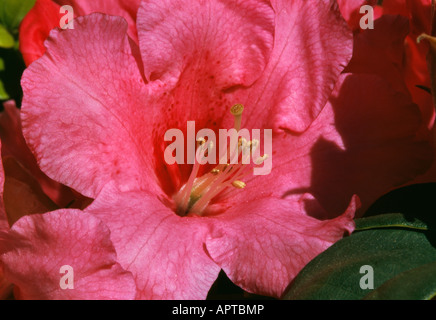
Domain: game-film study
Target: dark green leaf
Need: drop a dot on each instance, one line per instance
(335, 274)
(416, 284)
(390, 220)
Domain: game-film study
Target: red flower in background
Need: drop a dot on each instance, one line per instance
(391, 49)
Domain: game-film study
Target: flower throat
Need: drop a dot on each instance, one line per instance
(225, 178)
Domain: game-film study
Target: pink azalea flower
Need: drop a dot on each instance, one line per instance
(95, 118)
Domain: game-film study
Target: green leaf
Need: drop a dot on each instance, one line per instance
(416, 284)
(390, 220)
(3, 93)
(390, 251)
(13, 11)
(6, 39)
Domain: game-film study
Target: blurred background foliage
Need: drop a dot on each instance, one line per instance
(11, 61)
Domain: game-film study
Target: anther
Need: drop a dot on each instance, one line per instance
(238, 184)
(260, 160)
(215, 171)
(201, 141)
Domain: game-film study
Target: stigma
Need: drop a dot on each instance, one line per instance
(225, 178)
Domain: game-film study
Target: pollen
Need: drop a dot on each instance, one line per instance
(239, 184)
(237, 109)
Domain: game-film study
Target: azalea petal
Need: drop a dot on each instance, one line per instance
(398, 7)
(381, 50)
(366, 141)
(299, 70)
(22, 188)
(421, 20)
(5, 285)
(228, 41)
(392, 53)
(4, 225)
(84, 108)
(383, 146)
(205, 65)
(418, 11)
(349, 8)
(416, 70)
(417, 77)
(164, 252)
(414, 62)
(123, 8)
(13, 142)
(46, 15)
(197, 62)
(15, 148)
(263, 244)
(37, 246)
(23, 194)
(312, 45)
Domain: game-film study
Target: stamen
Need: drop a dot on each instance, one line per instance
(254, 145)
(260, 160)
(236, 110)
(198, 192)
(185, 193)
